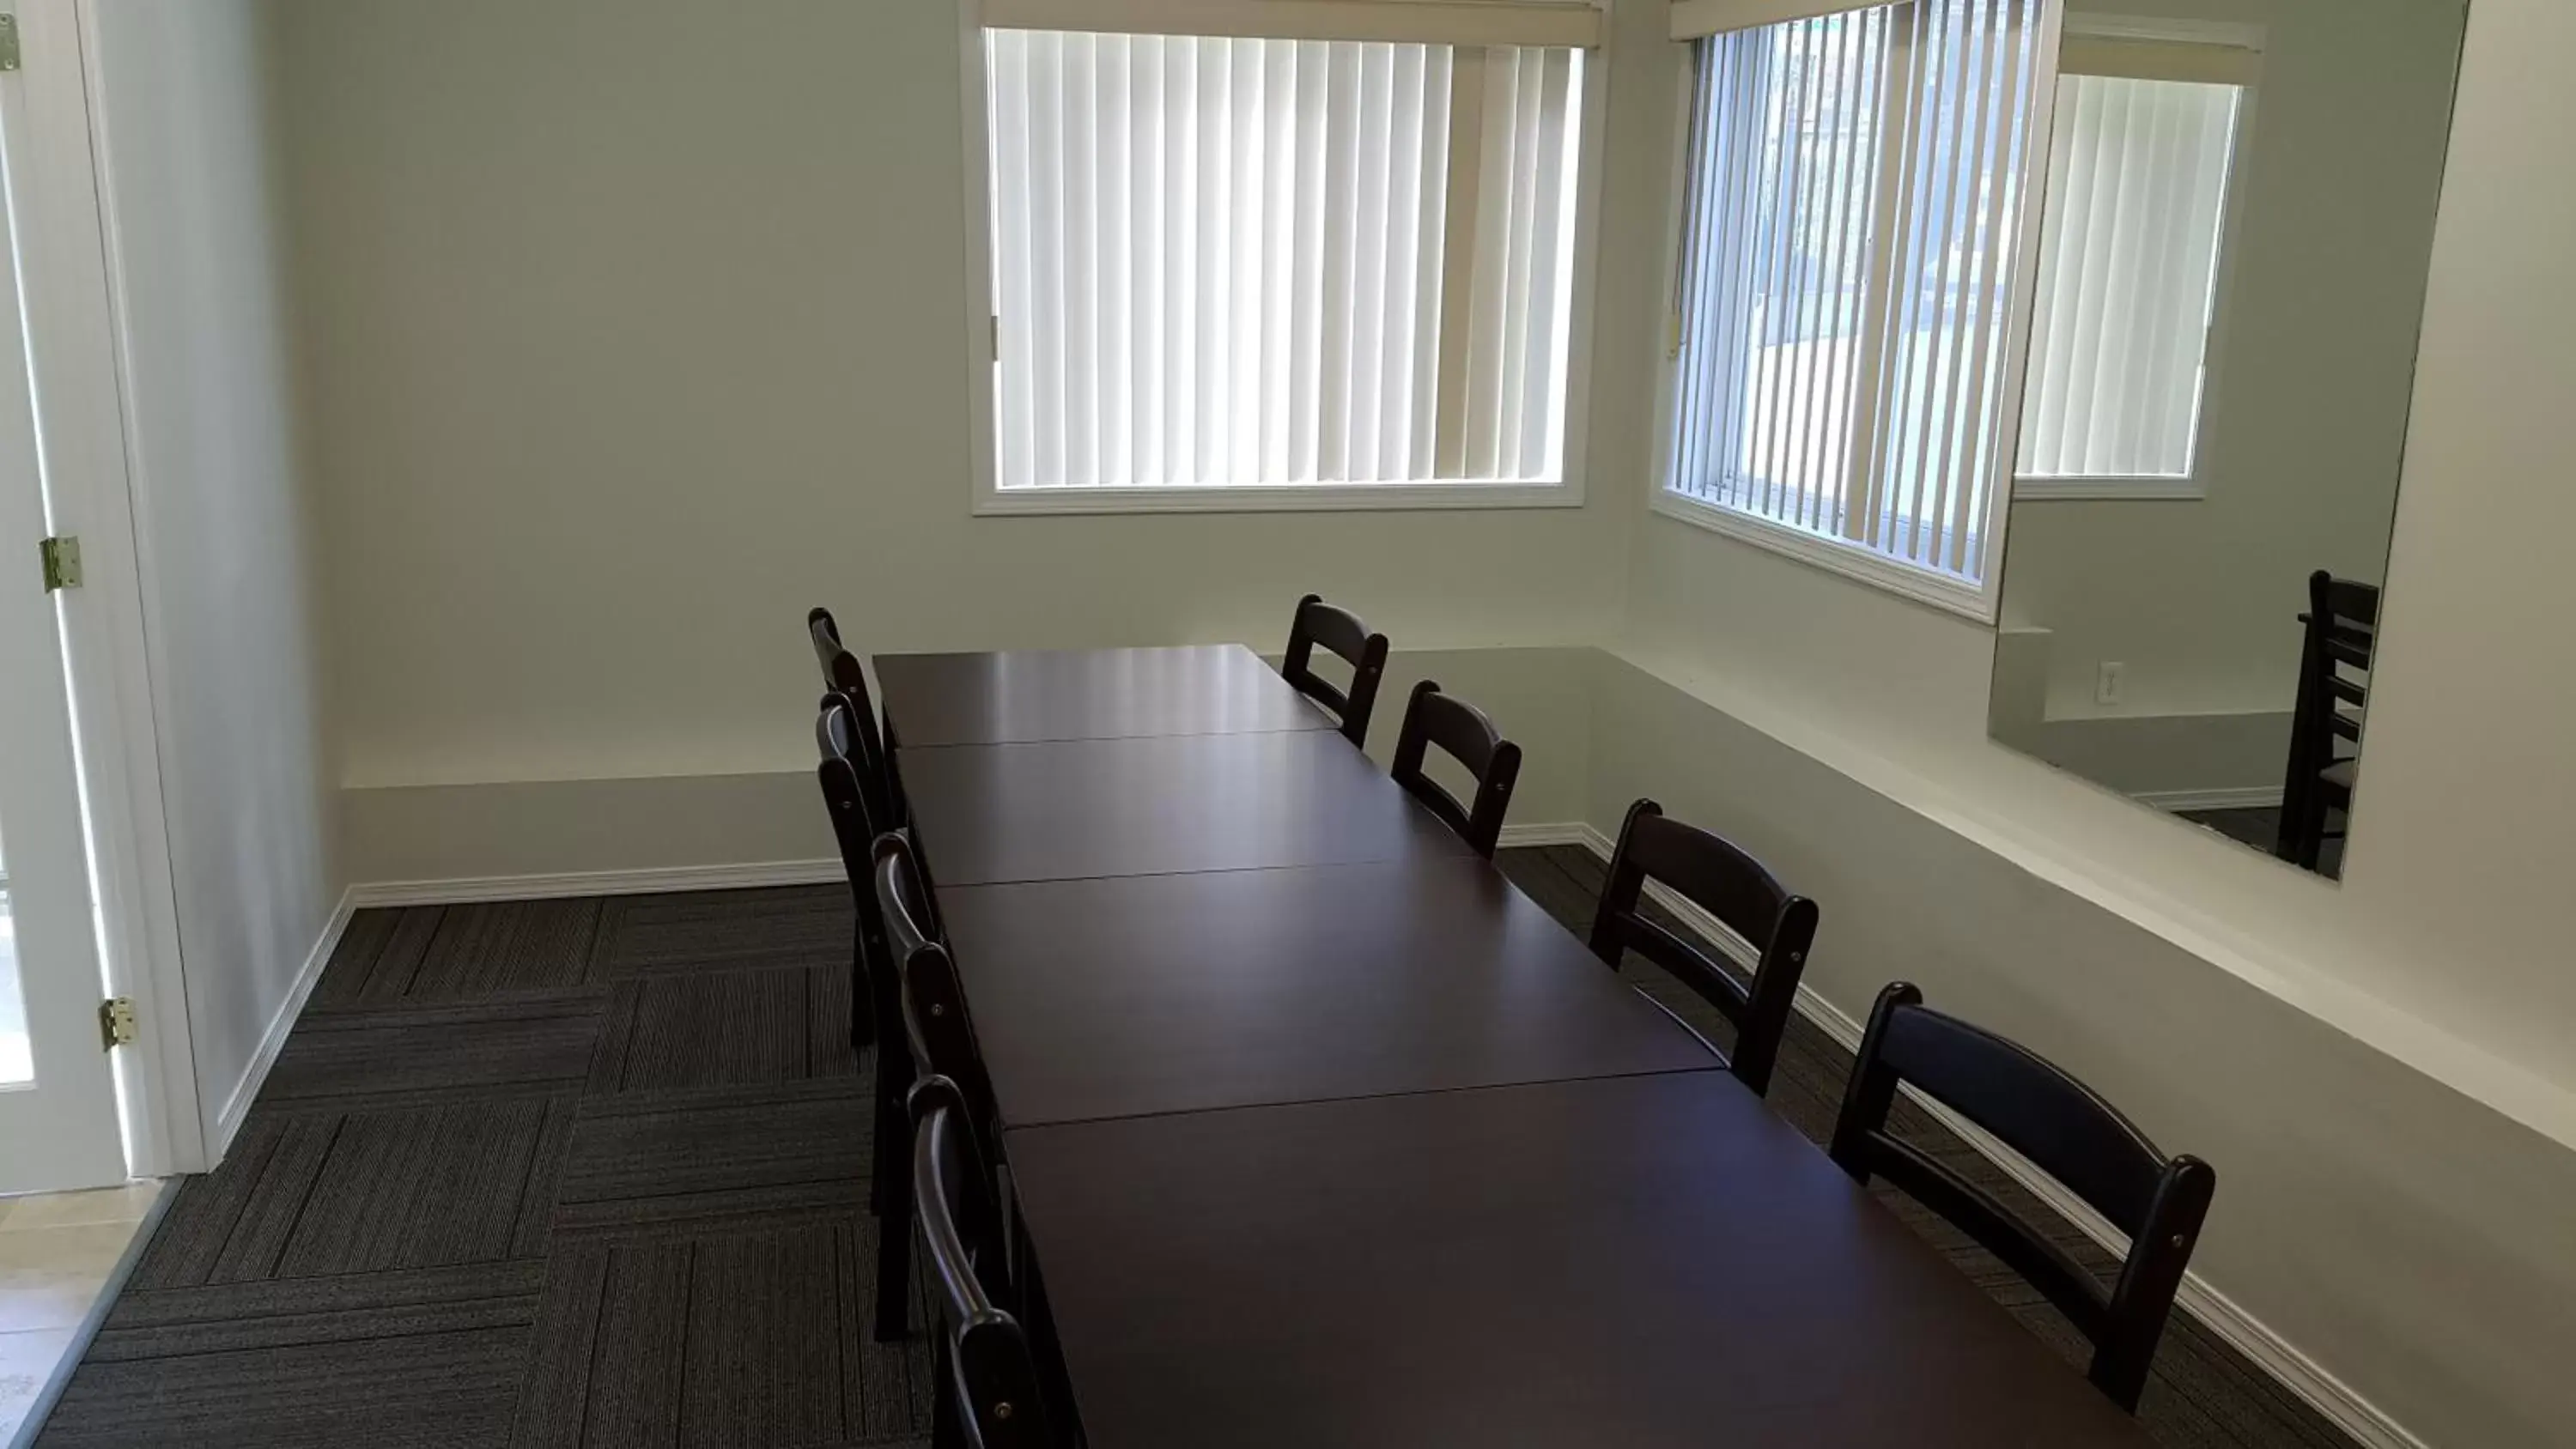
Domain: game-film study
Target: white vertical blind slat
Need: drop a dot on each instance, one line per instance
(1847, 288)
(2139, 171)
(1224, 261)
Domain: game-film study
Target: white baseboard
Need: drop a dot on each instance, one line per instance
(2319, 1389)
(219, 1135)
(466, 889)
(2251, 797)
(1516, 837)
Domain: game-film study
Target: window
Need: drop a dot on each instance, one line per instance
(1277, 265)
(1854, 243)
(2129, 267)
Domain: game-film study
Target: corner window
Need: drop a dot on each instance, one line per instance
(1231, 267)
(1846, 360)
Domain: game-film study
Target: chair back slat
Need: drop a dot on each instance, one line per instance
(2330, 705)
(1469, 737)
(871, 741)
(1341, 633)
(2051, 1118)
(933, 999)
(1720, 878)
(2061, 1127)
(985, 1358)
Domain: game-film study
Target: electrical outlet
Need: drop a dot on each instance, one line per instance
(2107, 685)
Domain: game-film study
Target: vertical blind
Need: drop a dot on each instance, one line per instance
(1226, 261)
(2138, 179)
(1844, 305)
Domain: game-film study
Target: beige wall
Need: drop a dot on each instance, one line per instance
(634, 333)
(221, 512)
(2312, 363)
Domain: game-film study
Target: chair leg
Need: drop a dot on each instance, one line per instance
(893, 1195)
(947, 1431)
(863, 1010)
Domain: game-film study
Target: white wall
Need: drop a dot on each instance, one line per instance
(635, 331)
(221, 512)
(2311, 364)
(2398, 1212)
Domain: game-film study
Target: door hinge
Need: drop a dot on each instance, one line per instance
(8, 42)
(116, 1022)
(62, 563)
(996, 338)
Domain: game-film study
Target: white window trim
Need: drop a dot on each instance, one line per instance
(990, 500)
(2188, 487)
(1981, 601)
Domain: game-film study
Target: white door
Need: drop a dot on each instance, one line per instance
(58, 1121)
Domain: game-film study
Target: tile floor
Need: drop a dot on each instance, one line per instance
(57, 1251)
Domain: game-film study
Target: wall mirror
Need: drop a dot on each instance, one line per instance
(2239, 224)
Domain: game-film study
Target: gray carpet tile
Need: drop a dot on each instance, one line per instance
(748, 1337)
(532, 1041)
(467, 952)
(380, 1388)
(662, 1157)
(2203, 1395)
(749, 1027)
(808, 926)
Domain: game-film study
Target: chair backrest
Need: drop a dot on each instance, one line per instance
(2342, 630)
(852, 791)
(933, 1000)
(844, 676)
(1715, 875)
(1340, 631)
(2068, 1132)
(1433, 718)
(990, 1371)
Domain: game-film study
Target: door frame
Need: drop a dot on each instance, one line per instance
(68, 254)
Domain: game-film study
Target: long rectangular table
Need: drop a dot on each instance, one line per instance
(1323, 1134)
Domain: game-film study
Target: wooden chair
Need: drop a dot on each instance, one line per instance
(932, 1007)
(2068, 1132)
(1433, 718)
(1340, 631)
(988, 1392)
(842, 675)
(1714, 875)
(857, 810)
(2334, 690)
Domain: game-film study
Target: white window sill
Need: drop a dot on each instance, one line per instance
(1278, 498)
(2107, 490)
(1956, 596)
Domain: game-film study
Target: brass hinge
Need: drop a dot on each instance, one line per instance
(116, 1022)
(8, 42)
(62, 563)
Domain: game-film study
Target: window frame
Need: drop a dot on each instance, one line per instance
(990, 500)
(2194, 486)
(1981, 601)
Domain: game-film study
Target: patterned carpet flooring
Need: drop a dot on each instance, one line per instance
(593, 1173)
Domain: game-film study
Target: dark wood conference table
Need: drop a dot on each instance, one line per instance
(1023, 696)
(1325, 1134)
